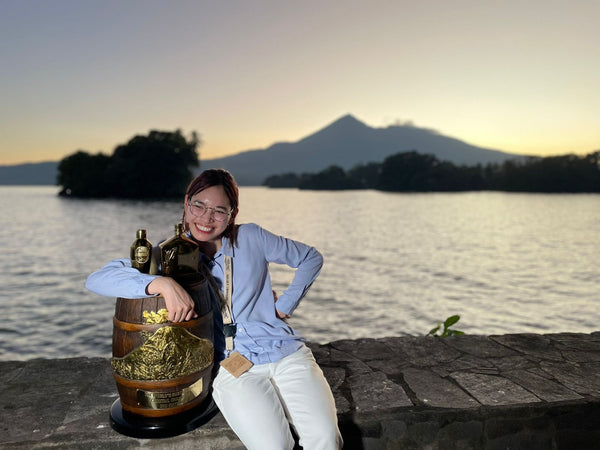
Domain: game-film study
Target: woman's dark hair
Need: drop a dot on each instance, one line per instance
(217, 177)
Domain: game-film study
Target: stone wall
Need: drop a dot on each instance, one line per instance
(465, 392)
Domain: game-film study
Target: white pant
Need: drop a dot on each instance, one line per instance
(261, 404)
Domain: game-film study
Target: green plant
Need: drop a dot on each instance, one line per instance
(446, 330)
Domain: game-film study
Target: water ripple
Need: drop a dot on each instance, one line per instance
(395, 264)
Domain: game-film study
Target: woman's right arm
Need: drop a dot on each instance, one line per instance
(119, 279)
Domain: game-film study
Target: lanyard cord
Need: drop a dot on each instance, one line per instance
(227, 319)
(224, 300)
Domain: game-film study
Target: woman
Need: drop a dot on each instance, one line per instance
(281, 383)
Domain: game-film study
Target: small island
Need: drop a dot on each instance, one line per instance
(416, 172)
(154, 166)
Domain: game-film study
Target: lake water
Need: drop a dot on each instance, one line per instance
(395, 263)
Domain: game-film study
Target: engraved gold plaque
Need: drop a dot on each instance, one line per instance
(165, 400)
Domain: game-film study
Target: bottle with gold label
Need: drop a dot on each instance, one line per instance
(179, 256)
(141, 252)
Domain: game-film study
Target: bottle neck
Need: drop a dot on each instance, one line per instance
(178, 229)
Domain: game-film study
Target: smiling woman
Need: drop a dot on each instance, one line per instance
(216, 191)
(265, 366)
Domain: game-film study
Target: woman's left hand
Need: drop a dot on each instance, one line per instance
(282, 315)
(279, 314)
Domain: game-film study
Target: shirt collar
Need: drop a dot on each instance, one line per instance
(226, 247)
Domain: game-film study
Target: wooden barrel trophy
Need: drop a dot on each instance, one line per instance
(163, 370)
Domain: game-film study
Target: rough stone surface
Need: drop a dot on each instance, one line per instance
(493, 390)
(435, 391)
(463, 392)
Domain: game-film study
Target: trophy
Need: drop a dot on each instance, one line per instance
(163, 370)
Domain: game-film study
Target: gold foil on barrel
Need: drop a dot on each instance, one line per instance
(170, 352)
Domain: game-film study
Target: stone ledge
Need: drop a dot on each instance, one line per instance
(507, 391)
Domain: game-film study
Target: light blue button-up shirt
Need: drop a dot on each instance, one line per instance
(261, 336)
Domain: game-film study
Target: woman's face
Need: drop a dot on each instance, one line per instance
(203, 211)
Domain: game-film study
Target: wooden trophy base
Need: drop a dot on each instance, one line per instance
(137, 426)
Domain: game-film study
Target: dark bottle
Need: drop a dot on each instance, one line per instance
(141, 252)
(179, 256)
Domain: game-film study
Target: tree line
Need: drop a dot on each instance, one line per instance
(154, 166)
(416, 172)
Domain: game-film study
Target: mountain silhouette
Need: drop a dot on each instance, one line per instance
(348, 142)
(43, 173)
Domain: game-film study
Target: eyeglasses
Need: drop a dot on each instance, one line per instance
(198, 209)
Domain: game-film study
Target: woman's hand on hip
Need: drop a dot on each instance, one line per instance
(280, 315)
(180, 305)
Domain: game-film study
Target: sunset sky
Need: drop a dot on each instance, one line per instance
(518, 76)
